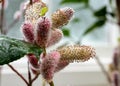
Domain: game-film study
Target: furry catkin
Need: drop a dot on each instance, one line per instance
(61, 65)
(76, 53)
(32, 12)
(61, 17)
(56, 36)
(28, 31)
(42, 32)
(48, 65)
(34, 64)
(115, 78)
(33, 60)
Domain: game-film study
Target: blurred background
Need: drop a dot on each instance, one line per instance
(95, 23)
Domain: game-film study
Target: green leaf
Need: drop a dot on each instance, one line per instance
(75, 20)
(66, 32)
(97, 24)
(43, 11)
(112, 14)
(110, 1)
(101, 12)
(74, 1)
(13, 49)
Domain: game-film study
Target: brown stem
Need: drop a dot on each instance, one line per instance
(30, 2)
(29, 76)
(2, 16)
(44, 52)
(118, 10)
(43, 82)
(103, 69)
(0, 75)
(51, 83)
(18, 74)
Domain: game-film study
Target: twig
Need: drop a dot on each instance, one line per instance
(35, 78)
(0, 75)
(29, 76)
(30, 2)
(118, 10)
(18, 74)
(103, 69)
(2, 16)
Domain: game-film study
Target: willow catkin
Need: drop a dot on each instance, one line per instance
(42, 31)
(32, 12)
(48, 65)
(116, 60)
(34, 63)
(33, 60)
(115, 77)
(61, 65)
(56, 36)
(61, 17)
(76, 53)
(28, 31)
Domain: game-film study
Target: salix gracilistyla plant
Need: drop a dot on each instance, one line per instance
(41, 32)
(44, 32)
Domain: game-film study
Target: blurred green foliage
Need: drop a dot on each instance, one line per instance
(100, 14)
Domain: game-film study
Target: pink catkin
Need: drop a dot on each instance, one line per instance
(33, 60)
(115, 78)
(34, 65)
(42, 31)
(48, 65)
(36, 1)
(56, 36)
(68, 11)
(6, 3)
(27, 29)
(61, 65)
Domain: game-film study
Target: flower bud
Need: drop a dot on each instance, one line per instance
(35, 70)
(56, 36)
(36, 1)
(6, 3)
(27, 29)
(76, 53)
(17, 15)
(116, 78)
(33, 60)
(42, 31)
(32, 12)
(115, 60)
(48, 65)
(68, 12)
(61, 17)
(34, 65)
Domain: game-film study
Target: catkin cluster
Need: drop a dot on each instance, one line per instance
(44, 32)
